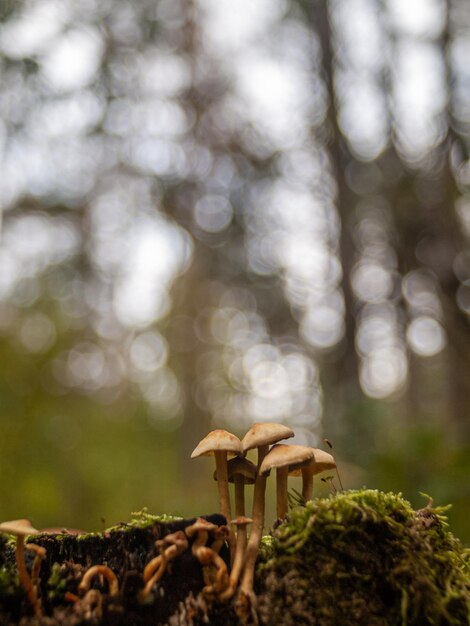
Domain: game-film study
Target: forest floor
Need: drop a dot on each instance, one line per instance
(359, 557)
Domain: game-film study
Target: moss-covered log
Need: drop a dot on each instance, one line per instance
(360, 557)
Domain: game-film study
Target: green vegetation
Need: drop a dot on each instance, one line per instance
(358, 557)
(364, 557)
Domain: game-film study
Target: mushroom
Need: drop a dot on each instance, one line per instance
(241, 522)
(280, 457)
(221, 535)
(241, 472)
(21, 528)
(320, 462)
(205, 555)
(261, 436)
(169, 547)
(100, 570)
(201, 528)
(220, 443)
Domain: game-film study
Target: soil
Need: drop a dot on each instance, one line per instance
(361, 557)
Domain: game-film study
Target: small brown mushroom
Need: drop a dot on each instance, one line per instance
(280, 457)
(207, 557)
(241, 472)
(320, 462)
(169, 547)
(221, 535)
(220, 443)
(100, 570)
(22, 528)
(201, 527)
(260, 436)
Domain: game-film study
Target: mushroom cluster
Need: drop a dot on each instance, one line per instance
(204, 539)
(294, 460)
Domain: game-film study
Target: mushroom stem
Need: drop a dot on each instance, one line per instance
(40, 554)
(239, 496)
(152, 574)
(251, 553)
(224, 496)
(281, 491)
(24, 576)
(241, 523)
(307, 483)
(222, 483)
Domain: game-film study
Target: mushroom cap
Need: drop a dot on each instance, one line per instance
(264, 434)
(321, 461)
(19, 527)
(282, 455)
(200, 524)
(241, 520)
(218, 440)
(239, 466)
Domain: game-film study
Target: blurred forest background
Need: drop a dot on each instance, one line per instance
(226, 211)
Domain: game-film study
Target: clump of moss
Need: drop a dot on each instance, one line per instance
(364, 557)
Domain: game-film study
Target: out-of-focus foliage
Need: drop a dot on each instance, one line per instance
(214, 216)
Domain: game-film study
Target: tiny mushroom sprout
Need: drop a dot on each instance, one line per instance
(280, 457)
(201, 528)
(169, 548)
(104, 571)
(205, 555)
(320, 462)
(22, 528)
(220, 443)
(261, 436)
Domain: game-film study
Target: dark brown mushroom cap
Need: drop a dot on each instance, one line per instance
(242, 467)
(218, 440)
(283, 455)
(264, 434)
(320, 462)
(19, 527)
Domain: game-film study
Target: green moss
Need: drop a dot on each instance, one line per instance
(9, 582)
(143, 519)
(56, 583)
(365, 557)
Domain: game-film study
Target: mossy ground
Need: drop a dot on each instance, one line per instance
(364, 557)
(358, 558)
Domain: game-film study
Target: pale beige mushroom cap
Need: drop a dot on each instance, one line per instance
(264, 434)
(320, 462)
(241, 520)
(283, 455)
(19, 527)
(218, 440)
